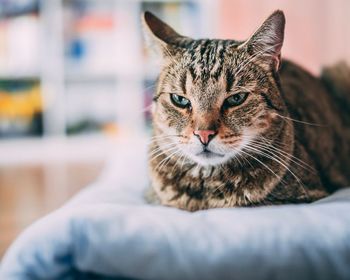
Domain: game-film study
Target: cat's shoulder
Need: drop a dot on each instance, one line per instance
(290, 69)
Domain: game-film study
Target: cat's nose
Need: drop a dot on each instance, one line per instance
(205, 135)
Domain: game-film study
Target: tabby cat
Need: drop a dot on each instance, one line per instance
(235, 126)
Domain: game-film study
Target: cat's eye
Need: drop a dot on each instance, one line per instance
(180, 101)
(235, 100)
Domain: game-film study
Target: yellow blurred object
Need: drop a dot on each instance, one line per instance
(110, 128)
(21, 104)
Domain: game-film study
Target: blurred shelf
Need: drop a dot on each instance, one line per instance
(90, 78)
(9, 12)
(87, 148)
(90, 63)
(81, 75)
(13, 76)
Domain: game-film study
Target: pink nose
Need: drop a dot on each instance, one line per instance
(205, 135)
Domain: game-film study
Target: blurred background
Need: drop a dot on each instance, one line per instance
(75, 77)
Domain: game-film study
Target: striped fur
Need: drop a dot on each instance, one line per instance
(267, 149)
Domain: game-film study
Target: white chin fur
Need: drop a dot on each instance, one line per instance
(210, 161)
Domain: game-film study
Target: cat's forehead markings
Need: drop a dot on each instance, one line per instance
(206, 58)
(229, 80)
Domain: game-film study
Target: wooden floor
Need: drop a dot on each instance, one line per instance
(29, 192)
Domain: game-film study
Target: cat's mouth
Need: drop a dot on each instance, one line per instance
(208, 154)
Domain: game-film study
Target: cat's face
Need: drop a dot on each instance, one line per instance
(215, 97)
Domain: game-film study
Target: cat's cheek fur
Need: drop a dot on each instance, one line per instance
(172, 117)
(266, 121)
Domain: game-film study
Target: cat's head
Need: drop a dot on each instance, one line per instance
(214, 97)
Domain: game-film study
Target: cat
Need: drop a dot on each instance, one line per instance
(234, 125)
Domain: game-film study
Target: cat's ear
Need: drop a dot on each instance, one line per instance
(267, 41)
(160, 35)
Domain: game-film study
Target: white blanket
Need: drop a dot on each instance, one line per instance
(108, 230)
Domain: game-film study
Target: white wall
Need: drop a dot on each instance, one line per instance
(317, 31)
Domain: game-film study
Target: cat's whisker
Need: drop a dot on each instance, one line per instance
(162, 152)
(274, 141)
(292, 158)
(269, 145)
(264, 165)
(182, 157)
(166, 159)
(157, 150)
(247, 160)
(279, 161)
(270, 156)
(161, 142)
(301, 184)
(161, 162)
(235, 156)
(161, 139)
(183, 161)
(164, 164)
(296, 161)
(157, 142)
(302, 122)
(176, 162)
(165, 135)
(163, 145)
(239, 162)
(304, 166)
(162, 149)
(280, 147)
(161, 136)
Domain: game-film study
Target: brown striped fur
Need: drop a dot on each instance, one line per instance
(288, 142)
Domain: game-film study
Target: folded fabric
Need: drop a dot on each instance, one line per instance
(108, 231)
